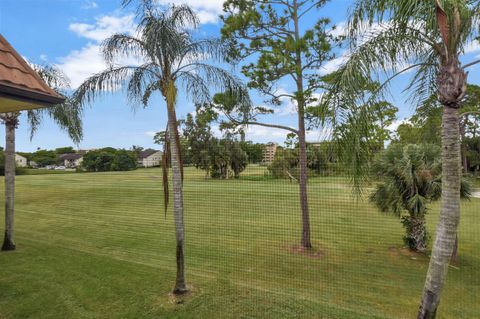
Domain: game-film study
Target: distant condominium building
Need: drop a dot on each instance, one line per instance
(269, 152)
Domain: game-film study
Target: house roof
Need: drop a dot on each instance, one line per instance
(70, 156)
(146, 153)
(20, 86)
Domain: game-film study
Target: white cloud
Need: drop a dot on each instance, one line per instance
(265, 134)
(207, 10)
(104, 27)
(289, 105)
(82, 63)
(395, 124)
(320, 135)
(89, 4)
(261, 134)
(341, 30)
(335, 64)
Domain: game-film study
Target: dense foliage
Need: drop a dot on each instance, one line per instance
(411, 177)
(109, 159)
(322, 159)
(220, 158)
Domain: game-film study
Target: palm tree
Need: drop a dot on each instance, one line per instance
(66, 115)
(390, 37)
(172, 59)
(411, 178)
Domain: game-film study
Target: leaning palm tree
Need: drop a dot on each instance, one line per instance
(390, 37)
(66, 115)
(171, 59)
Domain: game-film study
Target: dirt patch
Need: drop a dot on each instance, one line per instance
(181, 299)
(405, 252)
(308, 252)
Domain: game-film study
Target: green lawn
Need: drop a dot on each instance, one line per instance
(97, 245)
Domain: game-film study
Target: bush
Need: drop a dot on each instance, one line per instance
(124, 161)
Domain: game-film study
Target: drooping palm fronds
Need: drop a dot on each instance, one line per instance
(68, 115)
(166, 51)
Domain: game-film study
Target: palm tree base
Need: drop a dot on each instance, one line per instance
(427, 309)
(178, 291)
(8, 244)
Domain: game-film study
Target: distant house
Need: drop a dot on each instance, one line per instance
(71, 160)
(149, 158)
(20, 160)
(269, 152)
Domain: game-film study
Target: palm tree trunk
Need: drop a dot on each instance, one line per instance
(11, 122)
(464, 146)
(451, 89)
(180, 283)
(416, 233)
(454, 258)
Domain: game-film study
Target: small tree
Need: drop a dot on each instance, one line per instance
(410, 176)
(238, 158)
(98, 161)
(124, 160)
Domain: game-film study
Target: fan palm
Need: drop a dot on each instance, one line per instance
(391, 37)
(411, 178)
(171, 60)
(66, 115)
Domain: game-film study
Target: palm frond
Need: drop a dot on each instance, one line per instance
(216, 77)
(102, 83)
(119, 45)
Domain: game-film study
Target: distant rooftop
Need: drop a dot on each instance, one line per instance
(146, 153)
(70, 156)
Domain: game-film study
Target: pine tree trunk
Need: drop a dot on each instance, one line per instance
(302, 180)
(180, 283)
(451, 89)
(302, 156)
(11, 121)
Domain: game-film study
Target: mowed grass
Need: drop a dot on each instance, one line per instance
(98, 245)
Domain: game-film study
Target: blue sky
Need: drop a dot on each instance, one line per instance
(67, 33)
